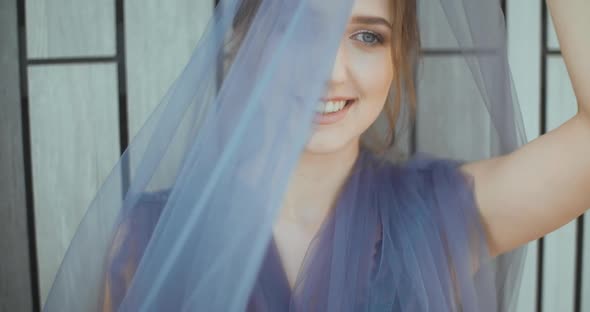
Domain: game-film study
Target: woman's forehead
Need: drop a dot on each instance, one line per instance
(373, 8)
(380, 8)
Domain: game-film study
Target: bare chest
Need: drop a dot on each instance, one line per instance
(292, 242)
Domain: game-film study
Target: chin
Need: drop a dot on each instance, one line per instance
(324, 143)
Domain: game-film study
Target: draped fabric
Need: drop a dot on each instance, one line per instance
(184, 221)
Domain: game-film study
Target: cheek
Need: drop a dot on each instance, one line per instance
(373, 77)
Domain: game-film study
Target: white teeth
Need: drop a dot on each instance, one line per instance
(330, 106)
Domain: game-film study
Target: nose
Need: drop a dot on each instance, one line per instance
(339, 72)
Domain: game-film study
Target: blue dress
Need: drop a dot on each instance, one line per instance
(401, 238)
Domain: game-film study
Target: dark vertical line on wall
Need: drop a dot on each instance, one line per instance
(414, 114)
(219, 66)
(505, 11)
(26, 141)
(413, 134)
(122, 89)
(579, 263)
(543, 127)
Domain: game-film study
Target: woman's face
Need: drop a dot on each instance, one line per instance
(360, 80)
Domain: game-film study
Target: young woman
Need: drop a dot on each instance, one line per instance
(521, 196)
(354, 232)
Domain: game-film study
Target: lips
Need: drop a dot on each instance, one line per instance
(337, 98)
(332, 110)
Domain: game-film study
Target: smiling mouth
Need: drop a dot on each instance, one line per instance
(333, 111)
(333, 106)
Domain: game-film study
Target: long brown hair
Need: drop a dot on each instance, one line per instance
(405, 52)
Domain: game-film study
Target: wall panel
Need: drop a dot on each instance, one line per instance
(443, 81)
(75, 143)
(65, 28)
(160, 39)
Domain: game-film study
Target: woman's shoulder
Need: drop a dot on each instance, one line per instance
(419, 166)
(143, 215)
(432, 196)
(424, 184)
(132, 235)
(427, 163)
(154, 198)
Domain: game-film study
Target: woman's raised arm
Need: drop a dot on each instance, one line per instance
(545, 184)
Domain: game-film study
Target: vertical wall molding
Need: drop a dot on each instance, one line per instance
(18, 270)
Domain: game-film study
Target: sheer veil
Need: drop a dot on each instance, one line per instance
(185, 218)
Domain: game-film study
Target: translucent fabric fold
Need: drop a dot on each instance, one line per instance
(184, 221)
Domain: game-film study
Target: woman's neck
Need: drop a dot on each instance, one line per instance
(316, 184)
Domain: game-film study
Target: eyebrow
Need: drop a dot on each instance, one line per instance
(371, 20)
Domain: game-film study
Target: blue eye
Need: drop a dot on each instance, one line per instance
(368, 37)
